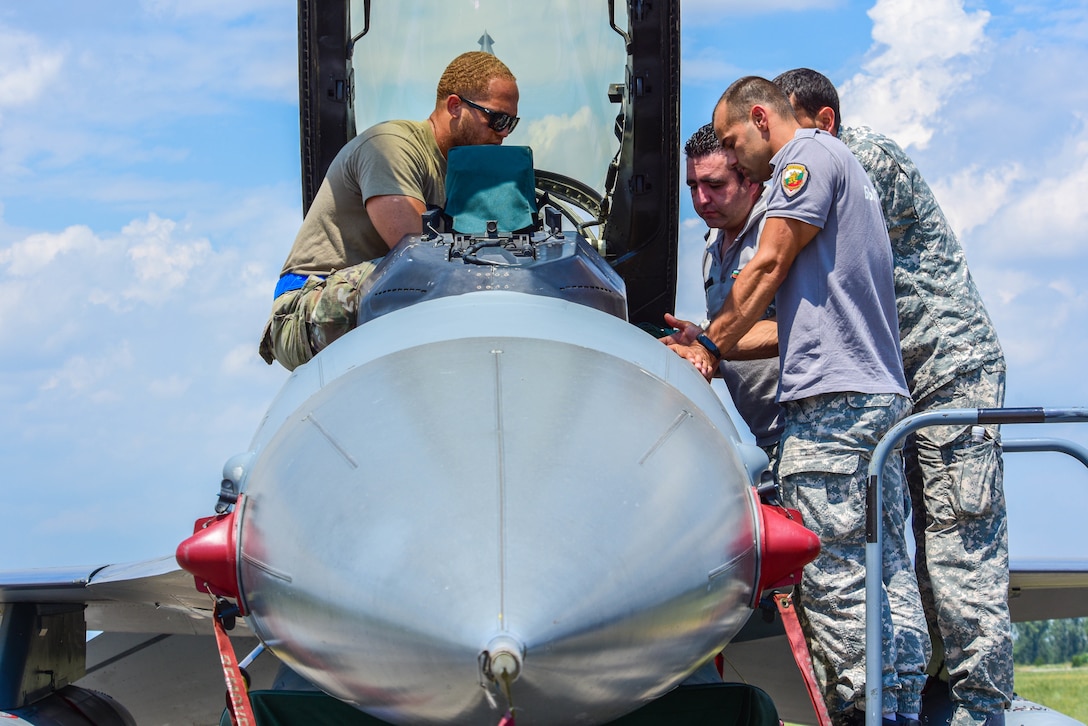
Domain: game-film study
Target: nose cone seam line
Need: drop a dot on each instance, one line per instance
(500, 464)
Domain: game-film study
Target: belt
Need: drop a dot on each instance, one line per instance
(290, 281)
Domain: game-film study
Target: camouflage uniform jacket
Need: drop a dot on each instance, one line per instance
(944, 328)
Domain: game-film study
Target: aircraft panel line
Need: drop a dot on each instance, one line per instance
(680, 418)
(332, 441)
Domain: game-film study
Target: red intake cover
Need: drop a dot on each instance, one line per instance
(786, 546)
(211, 555)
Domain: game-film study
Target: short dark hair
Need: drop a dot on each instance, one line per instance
(470, 74)
(810, 91)
(746, 92)
(702, 143)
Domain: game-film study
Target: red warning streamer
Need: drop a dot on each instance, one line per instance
(801, 656)
(241, 710)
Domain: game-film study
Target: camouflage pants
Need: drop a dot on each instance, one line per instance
(305, 320)
(771, 450)
(954, 474)
(823, 470)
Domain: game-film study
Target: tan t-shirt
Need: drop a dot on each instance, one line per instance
(393, 157)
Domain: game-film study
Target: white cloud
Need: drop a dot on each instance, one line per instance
(1052, 206)
(33, 254)
(145, 219)
(1038, 314)
(917, 63)
(239, 359)
(1005, 206)
(129, 81)
(916, 32)
(26, 69)
(160, 264)
(77, 289)
(972, 196)
(87, 376)
(569, 144)
(1005, 286)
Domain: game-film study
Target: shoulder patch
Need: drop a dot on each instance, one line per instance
(794, 178)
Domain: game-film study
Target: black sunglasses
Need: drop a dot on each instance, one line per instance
(496, 120)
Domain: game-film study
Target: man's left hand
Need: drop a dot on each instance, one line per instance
(682, 342)
(699, 357)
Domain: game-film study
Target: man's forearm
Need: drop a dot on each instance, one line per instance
(781, 241)
(752, 293)
(759, 342)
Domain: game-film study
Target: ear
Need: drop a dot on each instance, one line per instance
(825, 119)
(758, 117)
(453, 105)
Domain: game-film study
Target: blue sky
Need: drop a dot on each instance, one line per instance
(149, 191)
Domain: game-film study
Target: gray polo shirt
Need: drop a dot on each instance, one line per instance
(837, 323)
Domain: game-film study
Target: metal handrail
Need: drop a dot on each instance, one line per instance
(1064, 446)
(874, 665)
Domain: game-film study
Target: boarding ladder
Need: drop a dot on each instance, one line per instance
(874, 665)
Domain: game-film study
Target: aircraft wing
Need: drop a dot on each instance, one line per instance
(156, 622)
(1048, 589)
(760, 654)
(155, 596)
(156, 656)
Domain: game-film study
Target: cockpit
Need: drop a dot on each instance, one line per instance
(599, 108)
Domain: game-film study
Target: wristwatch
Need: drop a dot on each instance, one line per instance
(707, 343)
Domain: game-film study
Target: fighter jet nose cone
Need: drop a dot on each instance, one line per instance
(786, 547)
(528, 504)
(210, 555)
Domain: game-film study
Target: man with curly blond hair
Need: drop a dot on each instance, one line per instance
(374, 194)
